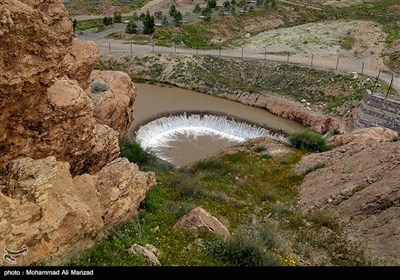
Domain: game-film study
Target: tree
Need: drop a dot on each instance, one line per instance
(197, 9)
(74, 24)
(259, 2)
(178, 18)
(227, 5)
(206, 11)
(172, 11)
(233, 2)
(117, 18)
(212, 4)
(142, 16)
(107, 21)
(131, 28)
(165, 21)
(273, 3)
(233, 10)
(148, 23)
(158, 15)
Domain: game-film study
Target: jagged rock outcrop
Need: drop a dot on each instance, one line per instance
(52, 213)
(49, 139)
(113, 95)
(46, 106)
(200, 219)
(359, 183)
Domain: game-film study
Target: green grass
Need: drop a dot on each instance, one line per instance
(84, 7)
(347, 42)
(235, 188)
(88, 24)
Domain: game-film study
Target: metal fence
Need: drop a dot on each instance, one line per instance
(335, 63)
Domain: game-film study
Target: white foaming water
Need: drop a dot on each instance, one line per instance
(157, 134)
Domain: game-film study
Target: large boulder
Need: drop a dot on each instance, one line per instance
(359, 183)
(200, 219)
(53, 214)
(113, 94)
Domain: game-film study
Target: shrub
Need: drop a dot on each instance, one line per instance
(242, 250)
(259, 149)
(143, 158)
(131, 28)
(308, 141)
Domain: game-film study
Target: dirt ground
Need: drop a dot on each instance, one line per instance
(356, 40)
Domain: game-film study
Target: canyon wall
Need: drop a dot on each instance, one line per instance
(62, 184)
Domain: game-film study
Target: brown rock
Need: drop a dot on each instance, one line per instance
(360, 184)
(132, 186)
(145, 252)
(54, 214)
(198, 219)
(113, 95)
(364, 134)
(80, 61)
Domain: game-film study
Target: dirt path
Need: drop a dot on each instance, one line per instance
(344, 65)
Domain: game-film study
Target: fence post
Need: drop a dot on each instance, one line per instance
(219, 51)
(288, 54)
(197, 51)
(377, 78)
(362, 69)
(390, 87)
(312, 59)
(109, 47)
(153, 48)
(242, 52)
(131, 47)
(174, 47)
(265, 53)
(337, 63)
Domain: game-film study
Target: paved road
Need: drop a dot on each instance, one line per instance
(344, 65)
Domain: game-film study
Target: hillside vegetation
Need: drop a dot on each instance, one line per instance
(254, 193)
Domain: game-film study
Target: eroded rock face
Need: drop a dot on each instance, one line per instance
(52, 213)
(45, 109)
(199, 219)
(49, 138)
(113, 95)
(359, 182)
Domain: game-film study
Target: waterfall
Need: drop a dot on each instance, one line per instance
(158, 133)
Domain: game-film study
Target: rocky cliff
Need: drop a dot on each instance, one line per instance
(55, 126)
(359, 183)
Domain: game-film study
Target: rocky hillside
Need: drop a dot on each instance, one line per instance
(58, 121)
(359, 183)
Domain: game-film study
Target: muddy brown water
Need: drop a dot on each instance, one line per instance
(155, 101)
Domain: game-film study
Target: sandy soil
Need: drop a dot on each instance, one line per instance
(324, 39)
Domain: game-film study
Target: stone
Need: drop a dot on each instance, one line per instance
(114, 106)
(303, 101)
(247, 35)
(198, 219)
(142, 251)
(359, 185)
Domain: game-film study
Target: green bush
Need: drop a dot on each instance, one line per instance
(143, 158)
(308, 141)
(247, 250)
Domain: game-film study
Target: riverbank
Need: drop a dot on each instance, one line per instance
(319, 99)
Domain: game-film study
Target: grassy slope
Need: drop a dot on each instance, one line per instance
(251, 192)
